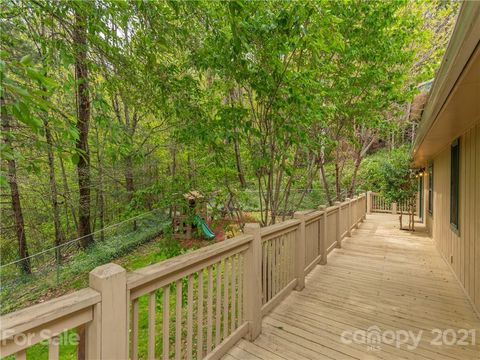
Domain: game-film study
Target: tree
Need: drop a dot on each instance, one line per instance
(14, 193)
(79, 38)
(399, 184)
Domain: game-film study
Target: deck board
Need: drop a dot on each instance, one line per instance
(382, 277)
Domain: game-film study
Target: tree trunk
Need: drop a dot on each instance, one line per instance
(237, 93)
(66, 197)
(351, 189)
(15, 196)
(129, 185)
(338, 188)
(59, 235)
(238, 162)
(101, 196)
(83, 119)
(323, 178)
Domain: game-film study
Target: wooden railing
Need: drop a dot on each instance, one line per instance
(194, 306)
(213, 313)
(377, 204)
(47, 321)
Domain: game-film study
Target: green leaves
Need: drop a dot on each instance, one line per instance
(26, 60)
(398, 183)
(21, 111)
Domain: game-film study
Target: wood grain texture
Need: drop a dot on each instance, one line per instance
(381, 276)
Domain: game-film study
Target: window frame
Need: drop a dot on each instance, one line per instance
(455, 185)
(430, 189)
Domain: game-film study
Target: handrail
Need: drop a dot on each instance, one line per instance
(284, 225)
(56, 315)
(173, 265)
(37, 315)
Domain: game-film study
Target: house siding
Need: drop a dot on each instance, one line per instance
(460, 249)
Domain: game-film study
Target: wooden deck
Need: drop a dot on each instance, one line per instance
(382, 280)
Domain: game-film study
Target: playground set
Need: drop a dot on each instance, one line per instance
(190, 216)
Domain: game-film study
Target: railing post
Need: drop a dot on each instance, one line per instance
(107, 334)
(300, 242)
(349, 217)
(323, 237)
(369, 202)
(338, 234)
(394, 208)
(253, 285)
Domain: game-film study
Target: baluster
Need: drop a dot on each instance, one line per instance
(200, 317)
(151, 324)
(240, 289)
(225, 298)
(284, 258)
(290, 256)
(209, 309)
(265, 274)
(278, 272)
(281, 254)
(165, 322)
(135, 329)
(275, 266)
(269, 271)
(53, 348)
(190, 316)
(178, 320)
(234, 295)
(218, 303)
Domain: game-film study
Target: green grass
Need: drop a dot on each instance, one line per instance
(150, 253)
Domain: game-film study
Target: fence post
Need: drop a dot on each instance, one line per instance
(300, 242)
(323, 237)
(253, 285)
(349, 217)
(369, 202)
(338, 234)
(394, 208)
(107, 334)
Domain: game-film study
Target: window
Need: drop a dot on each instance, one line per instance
(454, 182)
(430, 189)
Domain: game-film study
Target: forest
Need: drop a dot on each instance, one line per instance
(111, 110)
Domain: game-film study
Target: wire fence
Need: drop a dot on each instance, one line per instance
(55, 266)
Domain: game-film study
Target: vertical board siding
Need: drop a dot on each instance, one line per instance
(460, 249)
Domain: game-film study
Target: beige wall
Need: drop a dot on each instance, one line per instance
(461, 250)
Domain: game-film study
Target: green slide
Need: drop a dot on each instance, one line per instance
(207, 232)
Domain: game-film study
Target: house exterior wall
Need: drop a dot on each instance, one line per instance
(460, 249)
